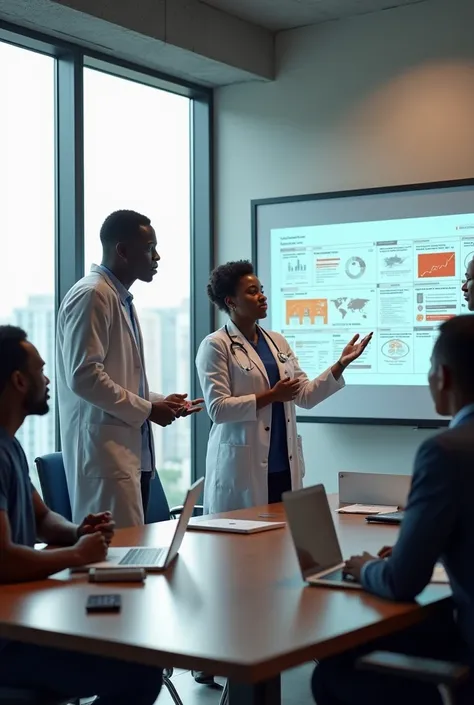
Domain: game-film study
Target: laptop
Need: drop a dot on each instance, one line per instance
(235, 526)
(314, 536)
(152, 559)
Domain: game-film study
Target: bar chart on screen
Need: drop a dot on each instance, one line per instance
(307, 312)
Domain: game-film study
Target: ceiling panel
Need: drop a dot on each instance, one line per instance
(287, 14)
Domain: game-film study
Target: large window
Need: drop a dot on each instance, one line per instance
(137, 156)
(27, 216)
(80, 137)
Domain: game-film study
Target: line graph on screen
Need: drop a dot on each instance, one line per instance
(436, 264)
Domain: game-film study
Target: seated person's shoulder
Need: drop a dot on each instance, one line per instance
(432, 453)
(457, 437)
(11, 456)
(8, 449)
(7, 471)
(451, 443)
(446, 452)
(431, 444)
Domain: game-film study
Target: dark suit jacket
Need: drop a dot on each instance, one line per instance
(438, 525)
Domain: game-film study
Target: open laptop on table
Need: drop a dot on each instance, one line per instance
(314, 536)
(152, 559)
(317, 546)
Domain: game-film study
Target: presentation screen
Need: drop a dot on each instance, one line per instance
(391, 262)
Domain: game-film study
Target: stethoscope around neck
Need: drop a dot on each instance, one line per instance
(236, 346)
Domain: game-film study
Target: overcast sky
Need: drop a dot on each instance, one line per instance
(136, 156)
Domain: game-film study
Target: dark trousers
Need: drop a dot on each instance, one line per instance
(337, 682)
(278, 482)
(145, 480)
(69, 674)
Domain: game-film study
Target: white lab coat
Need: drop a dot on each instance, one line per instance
(98, 368)
(239, 441)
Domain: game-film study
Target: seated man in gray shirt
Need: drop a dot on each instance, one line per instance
(24, 518)
(437, 526)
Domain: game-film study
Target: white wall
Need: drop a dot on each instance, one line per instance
(378, 100)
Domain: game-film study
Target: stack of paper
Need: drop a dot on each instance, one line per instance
(366, 509)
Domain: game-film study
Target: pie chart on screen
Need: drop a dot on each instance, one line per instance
(355, 267)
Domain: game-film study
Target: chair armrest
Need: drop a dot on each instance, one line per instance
(176, 511)
(415, 668)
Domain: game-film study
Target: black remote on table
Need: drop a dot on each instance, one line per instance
(104, 603)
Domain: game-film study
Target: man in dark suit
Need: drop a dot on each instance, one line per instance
(438, 525)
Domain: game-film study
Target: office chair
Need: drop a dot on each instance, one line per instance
(53, 483)
(52, 477)
(158, 507)
(444, 675)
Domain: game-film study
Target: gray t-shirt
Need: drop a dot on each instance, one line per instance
(16, 493)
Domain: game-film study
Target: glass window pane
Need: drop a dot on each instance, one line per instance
(137, 156)
(27, 217)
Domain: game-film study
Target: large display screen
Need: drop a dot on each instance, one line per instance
(378, 262)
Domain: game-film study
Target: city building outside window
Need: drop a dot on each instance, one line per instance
(137, 156)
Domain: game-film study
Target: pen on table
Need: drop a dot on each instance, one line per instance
(269, 516)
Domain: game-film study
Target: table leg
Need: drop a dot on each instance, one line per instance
(265, 693)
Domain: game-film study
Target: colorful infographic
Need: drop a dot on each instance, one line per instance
(398, 278)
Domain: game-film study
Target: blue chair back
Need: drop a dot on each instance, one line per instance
(158, 507)
(53, 483)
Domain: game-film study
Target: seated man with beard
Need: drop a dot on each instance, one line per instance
(24, 519)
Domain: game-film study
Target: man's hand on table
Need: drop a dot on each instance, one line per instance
(90, 548)
(353, 566)
(97, 523)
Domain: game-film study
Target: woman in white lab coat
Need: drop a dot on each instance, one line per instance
(251, 382)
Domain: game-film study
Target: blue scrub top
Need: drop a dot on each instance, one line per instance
(278, 453)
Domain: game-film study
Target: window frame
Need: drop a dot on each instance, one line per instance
(71, 59)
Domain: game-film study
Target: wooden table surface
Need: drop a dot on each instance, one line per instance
(233, 605)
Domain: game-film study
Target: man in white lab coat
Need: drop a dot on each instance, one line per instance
(105, 406)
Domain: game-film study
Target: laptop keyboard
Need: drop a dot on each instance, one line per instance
(337, 576)
(144, 556)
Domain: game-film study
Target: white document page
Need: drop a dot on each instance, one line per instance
(366, 509)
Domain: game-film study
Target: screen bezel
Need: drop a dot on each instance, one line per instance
(257, 204)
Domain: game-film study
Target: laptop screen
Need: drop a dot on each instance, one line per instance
(192, 497)
(312, 529)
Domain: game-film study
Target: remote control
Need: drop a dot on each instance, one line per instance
(103, 603)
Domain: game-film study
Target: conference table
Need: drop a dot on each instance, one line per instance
(232, 605)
